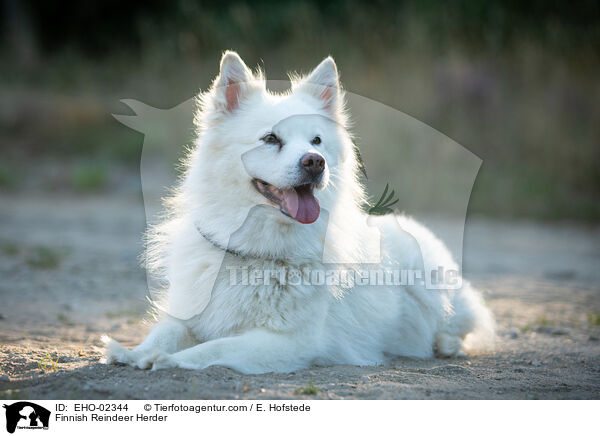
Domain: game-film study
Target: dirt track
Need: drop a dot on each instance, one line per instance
(70, 273)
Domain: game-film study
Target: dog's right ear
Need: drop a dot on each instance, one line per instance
(233, 83)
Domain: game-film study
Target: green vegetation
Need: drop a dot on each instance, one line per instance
(43, 257)
(308, 389)
(9, 248)
(65, 320)
(125, 313)
(47, 363)
(515, 83)
(544, 322)
(8, 178)
(384, 204)
(89, 177)
(594, 319)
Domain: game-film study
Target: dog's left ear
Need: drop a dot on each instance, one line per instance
(324, 84)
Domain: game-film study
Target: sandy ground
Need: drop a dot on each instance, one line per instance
(69, 273)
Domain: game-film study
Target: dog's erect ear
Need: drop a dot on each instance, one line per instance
(323, 83)
(234, 81)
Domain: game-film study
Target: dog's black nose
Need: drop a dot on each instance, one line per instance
(313, 163)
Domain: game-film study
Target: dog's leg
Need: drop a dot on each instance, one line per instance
(253, 352)
(168, 336)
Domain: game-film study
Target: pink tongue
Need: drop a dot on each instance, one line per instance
(301, 205)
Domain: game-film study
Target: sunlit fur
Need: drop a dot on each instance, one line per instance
(254, 329)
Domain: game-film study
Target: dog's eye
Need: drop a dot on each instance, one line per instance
(316, 140)
(271, 138)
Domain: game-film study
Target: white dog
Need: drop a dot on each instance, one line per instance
(271, 186)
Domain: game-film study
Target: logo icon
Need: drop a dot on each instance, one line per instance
(26, 415)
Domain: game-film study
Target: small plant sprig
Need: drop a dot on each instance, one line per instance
(385, 203)
(47, 364)
(309, 389)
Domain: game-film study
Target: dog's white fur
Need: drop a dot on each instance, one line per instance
(277, 327)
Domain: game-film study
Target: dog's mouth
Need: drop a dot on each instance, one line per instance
(298, 202)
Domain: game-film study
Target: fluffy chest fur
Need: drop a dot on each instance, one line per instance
(251, 293)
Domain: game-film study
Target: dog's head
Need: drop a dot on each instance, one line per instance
(255, 147)
(291, 164)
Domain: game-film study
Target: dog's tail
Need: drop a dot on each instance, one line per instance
(470, 328)
(482, 336)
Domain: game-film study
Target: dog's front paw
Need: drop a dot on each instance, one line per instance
(115, 353)
(164, 361)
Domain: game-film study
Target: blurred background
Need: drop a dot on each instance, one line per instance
(514, 82)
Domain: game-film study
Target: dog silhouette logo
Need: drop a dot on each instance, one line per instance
(26, 415)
